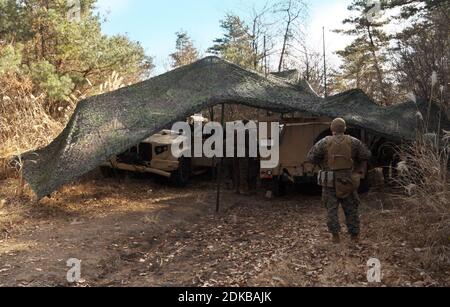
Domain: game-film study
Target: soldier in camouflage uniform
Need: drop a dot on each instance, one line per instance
(243, 169)
(319, 155)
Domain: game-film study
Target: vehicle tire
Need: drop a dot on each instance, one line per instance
(279, 187)
(181, 177)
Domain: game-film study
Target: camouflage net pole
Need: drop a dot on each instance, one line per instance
(220, 168)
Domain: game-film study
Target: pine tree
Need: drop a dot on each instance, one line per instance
(65, 56)
(364, 60)
(423, 48)
(236, 44)
(185, 52)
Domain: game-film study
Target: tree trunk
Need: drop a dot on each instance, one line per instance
(283, 50)
(377, 66)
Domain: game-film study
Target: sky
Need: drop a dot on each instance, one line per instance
(155, 22)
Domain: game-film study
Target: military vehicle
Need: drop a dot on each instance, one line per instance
(298, 134)
(154, 156)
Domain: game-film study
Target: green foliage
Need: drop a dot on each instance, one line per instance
(65, 55)
(423, 49)
(45, 76)
(14, 26)
(185, 52)
(10, 58)
(365, 59)
(388, 73)
(411, 8)
(236, 44)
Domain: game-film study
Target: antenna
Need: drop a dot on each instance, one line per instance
(265, 57)
(325, 65)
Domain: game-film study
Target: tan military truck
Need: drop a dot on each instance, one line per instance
(154, 156)
(298, 134)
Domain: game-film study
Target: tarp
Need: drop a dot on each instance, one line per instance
(108, 124)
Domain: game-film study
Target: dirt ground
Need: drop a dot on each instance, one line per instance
(138, 232)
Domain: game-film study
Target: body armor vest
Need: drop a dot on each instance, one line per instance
(339, 153)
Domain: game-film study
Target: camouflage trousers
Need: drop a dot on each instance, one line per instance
(244, 173)
(351, 210)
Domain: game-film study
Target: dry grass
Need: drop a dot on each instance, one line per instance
(424, 175)
(27, 124)
(24, 123)
(112, 83)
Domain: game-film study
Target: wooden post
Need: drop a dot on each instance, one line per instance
(219, 172)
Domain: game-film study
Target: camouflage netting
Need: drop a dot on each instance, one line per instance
(294, 76)
(106, 125)
(397, 122)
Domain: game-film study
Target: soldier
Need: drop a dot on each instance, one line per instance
(343, 160)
